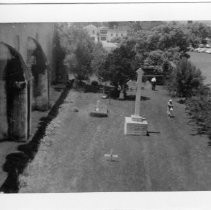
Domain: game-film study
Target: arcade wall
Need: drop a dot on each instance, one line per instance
(32, 53)
(16, 35)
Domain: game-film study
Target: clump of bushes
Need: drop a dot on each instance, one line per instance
(199, 109)
(186, 82)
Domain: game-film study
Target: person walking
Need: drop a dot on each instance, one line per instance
(170, 108)
(153, 81)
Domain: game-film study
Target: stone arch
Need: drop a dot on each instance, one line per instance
(14, 96)
(37, 63)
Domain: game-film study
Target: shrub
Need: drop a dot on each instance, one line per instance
(186, 79)
(199, 108)
(94, 83)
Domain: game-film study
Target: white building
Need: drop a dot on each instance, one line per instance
(103, 33)
(116, 33)
(106, 35)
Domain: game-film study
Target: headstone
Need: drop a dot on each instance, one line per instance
(136, 125)
(100, 110)
(132, 85)
(121, 95)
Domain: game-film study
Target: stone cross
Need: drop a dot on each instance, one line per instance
(136, 124)
(138, 92)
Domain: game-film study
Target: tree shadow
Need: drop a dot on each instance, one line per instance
(133, 97)
(92, 88)
(156, 132)
(152, 132)
(17, 162)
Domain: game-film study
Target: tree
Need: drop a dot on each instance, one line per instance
(199, 30)
(119, 67)
(172, 35)
(186, 79)
(113, 24)
(78, 47)
(155, 58)
(99, 57)
(162, 37)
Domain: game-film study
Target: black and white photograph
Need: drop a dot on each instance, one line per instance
(105, 106)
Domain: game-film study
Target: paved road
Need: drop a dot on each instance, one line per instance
(71, 156)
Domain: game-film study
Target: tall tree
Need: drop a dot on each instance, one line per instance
(78, 46)
(99, 56)
(186, 79)
(119, 67)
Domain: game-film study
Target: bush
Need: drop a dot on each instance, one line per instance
(186, 79)
(94, 83)
(199, 109)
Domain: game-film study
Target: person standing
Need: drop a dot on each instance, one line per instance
(153, 81)
(170, 108)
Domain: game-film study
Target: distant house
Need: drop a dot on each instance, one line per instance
(116, 33)
(105, 34)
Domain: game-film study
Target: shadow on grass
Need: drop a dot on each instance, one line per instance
(5, 140)
(133, 97)
(154, 132)
(16, 162)
(92, 89)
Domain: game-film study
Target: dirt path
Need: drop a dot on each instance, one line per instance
(71, 156)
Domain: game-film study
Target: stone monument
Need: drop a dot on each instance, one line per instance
(100, 110)
(136, 125)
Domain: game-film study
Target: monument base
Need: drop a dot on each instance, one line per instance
(135, 125)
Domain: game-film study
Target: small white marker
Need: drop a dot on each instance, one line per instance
(111, 156)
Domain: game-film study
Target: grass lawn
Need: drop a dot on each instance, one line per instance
(71, 156)
(203, 62)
